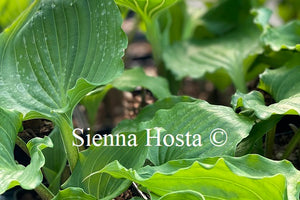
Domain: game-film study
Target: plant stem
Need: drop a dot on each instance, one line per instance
(22, 145)
(270, 142)
(66, 129)
(291, 146)
(44, 192)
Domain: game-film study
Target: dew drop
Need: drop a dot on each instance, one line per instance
(109, 3)
(1, 82)
(71, 4)
(103, 12)
(20, 87)
(53, 5)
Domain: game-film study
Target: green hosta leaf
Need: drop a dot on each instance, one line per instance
(133, 78)
(281, 83)
(283, 37)
(187, 195)
(128, 81)
(57, 52)
(196, 118)
(10, 10)
(233, 52)
(286, 92)
(55, 161)
(254, 103)
(73, 193)
(12, 174)
(95, 158)
(248, 177)
(146, 8)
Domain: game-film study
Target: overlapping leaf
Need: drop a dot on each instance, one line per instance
(283, 84)
(231, 53)
(194, 117)
(248, 177)
(10, 10)
(55, 161)
(95, 158)
(12, 174)
(58, 51)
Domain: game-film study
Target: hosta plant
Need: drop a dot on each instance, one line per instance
(57, 54)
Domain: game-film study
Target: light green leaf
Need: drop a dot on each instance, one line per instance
(10, 10)
(55, 161)
(233, 52)
(148, 9)
(189, 121)
(73, 193)
(281, 83)
(179, 195)
(283, 37)
(95, 158)
(48, 55)
(284, 86)
(12, 174)
(135, 77)
(248, 177)
(128, 81)
(254, 102)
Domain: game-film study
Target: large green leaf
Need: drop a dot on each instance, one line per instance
(194, 117)
(73, 193)
(248, 177)
(234, 52)
(146, 8)
(10, 10)
(54, 54)
(55, 161)
(47, 56)
(12, 174)
(95, 158)
(128, 81)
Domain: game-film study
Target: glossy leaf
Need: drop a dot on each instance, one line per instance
(10, 10)
(73, 193)
(48, 55)
(128, 81)
(248, 177)
(146, 8)
(103, 186)
(55, 161)
(196, 118)
(12, 174)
